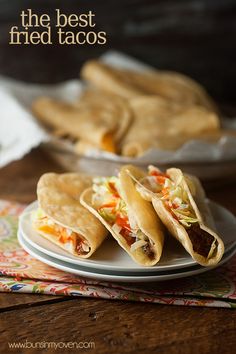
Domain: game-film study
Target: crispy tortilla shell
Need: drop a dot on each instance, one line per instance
(58, 197)
(129, 84)
(146, 218)
(100, 119)
(200, 241)
(159, 124)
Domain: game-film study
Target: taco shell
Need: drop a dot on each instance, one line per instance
(64, 221)
(200, 240)
(145, 216)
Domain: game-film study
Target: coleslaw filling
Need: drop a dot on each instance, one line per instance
(175, 197)
(108, 202)
(72, 241)
(176, 201)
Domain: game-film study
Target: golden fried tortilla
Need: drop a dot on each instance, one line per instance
(99, 118)
(128, 84)
(159, 124)
(62, 219)
(146, 241)
(180, 203)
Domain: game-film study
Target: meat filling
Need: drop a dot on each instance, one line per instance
(148, 251)
(201, 240)
(82, 247)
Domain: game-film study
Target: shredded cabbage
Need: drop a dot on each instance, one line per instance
(137, 244)
(174, 196)
(110, 205)
(106, 198)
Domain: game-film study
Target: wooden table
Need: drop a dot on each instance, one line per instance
(114, 326)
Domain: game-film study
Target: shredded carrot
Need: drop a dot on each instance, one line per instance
(156, 173)
(123, 222)
(165, 191)
(126, 234)
(168, 207)
(160, 179)
(108, 205)
(113, 189)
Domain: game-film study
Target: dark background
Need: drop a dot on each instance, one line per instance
(195, 37)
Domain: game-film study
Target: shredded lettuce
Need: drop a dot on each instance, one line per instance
(110, 205)
(38, 214)
(106, 198)
(107, 215)
(173, 194)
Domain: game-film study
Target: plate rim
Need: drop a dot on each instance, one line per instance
(53, 262)
(91, 264)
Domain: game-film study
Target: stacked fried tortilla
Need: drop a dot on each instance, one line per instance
(128, 112)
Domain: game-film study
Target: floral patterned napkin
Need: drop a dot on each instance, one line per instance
(19, 272)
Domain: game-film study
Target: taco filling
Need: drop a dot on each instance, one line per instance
(72, 241)
(108, 202)
(176, 201)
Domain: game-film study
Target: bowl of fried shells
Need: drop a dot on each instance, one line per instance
(131, 116)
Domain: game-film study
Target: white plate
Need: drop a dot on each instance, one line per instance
(111, 257)
(108, 276)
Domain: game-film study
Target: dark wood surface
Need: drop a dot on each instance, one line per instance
(114, 326)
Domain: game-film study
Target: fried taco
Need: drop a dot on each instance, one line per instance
(131, 220)
(174, 86)
(159, 124)
(100, 119)
(61, 218)
(180, 203)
